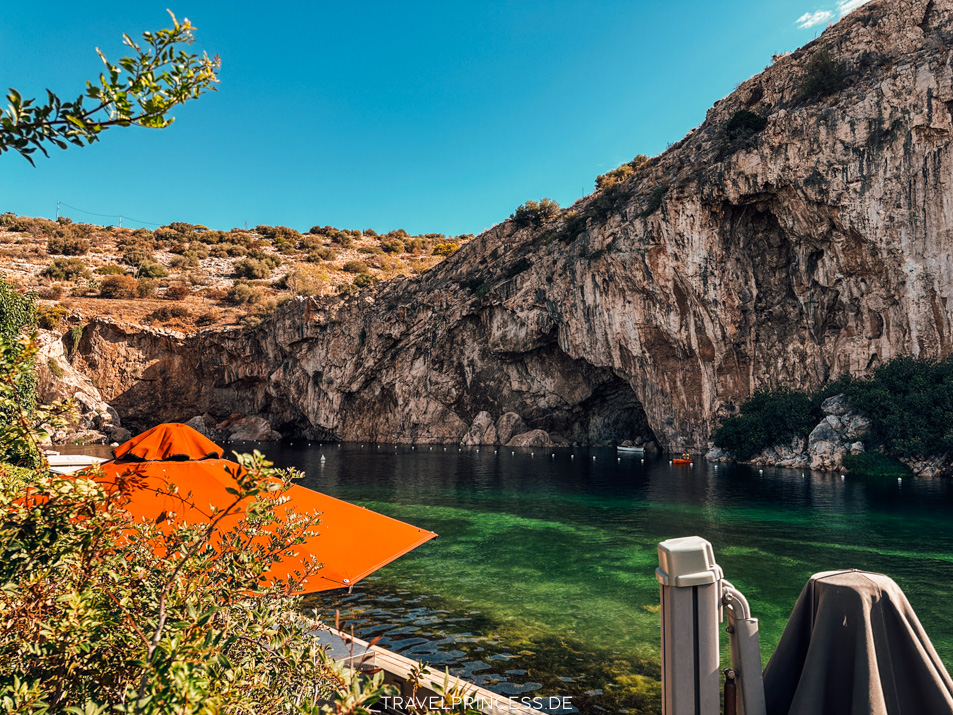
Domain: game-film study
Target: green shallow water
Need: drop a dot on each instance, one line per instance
(542, 578)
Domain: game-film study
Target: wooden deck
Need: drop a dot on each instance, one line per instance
(397, 671)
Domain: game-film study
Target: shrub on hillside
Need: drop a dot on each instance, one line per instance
(49, 317)
(111, 269)
(654, 201)
(445, 249)
(535, 213)
(744, 125)
(322, 254)
(342, 239)
(151, 269)
(306, 280)
(177, 292)
(355, 267)
(169, 312)
(51, 292)
(363, 280)
(119, 287)
(146, 287)
(252, 268)
(822, 76)
(392, 245)
(66, 244)
(244, 293)
(614, 177)
(66, 269)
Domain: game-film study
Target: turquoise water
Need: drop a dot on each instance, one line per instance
(542, 578)
(558, 547)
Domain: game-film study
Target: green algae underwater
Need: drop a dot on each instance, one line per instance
(542, 580)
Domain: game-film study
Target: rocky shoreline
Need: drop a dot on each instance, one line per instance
(842, 431)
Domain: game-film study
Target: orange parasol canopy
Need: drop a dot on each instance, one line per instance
(172, 461)
(170, 441)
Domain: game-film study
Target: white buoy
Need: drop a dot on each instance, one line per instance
(532, 454)
(322, 458)
(494, 451)
(842, 477)
(553, 455)
(478, 449)
(593, 458)
(431, 449)
(900, 481)
(643, 461)
(618, 459)
(572, 456)
(512, 453)
(760, 471)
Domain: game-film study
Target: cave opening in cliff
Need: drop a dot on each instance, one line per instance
(612, 414)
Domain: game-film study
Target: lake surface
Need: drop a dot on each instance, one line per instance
(542, 579)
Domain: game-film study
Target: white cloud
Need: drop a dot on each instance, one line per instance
(845, 6)
(810, 19)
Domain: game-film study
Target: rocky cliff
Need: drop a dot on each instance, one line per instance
(819, 244)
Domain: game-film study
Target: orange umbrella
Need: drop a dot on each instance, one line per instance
(173, 460)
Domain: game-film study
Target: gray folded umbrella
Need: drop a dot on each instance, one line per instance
(854, 646)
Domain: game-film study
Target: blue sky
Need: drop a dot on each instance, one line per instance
(427, 116)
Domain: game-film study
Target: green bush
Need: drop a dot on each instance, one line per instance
(614, 177)
(65, 244)
(535, 213)
(910, 405)
(49, 317)
(306, 280)
(654, 201)
(151, 269)
(252, 268)
(393, 245)
(322, 254)
(355, 267)
(111, 269)
(168, 312)
(823, 75)
(874, 464)
(768, 418)
(73, 338)
(744, 125)
(66, 269)
(445, 249)
(245, 293)
(119, 287)
(363, 280)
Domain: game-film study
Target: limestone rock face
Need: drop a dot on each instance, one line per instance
(96, 422)
(482, 431)
(533, 438)
(252, 429)
(823, 245)
(509, 425)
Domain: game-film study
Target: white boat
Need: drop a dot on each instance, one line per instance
(69, 463)
(631, 450)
